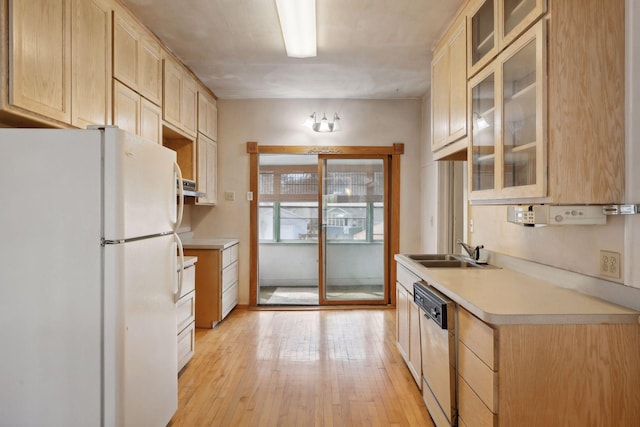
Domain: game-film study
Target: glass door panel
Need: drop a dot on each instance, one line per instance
(519, 123)
(353, 229)
(514, 12)
(288, 230)
(516, 16)
(483, 132)
(482, 35)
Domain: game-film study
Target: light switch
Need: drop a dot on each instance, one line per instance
(230, 196)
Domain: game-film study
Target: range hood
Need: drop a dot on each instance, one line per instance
(189, 188)
(541, 215)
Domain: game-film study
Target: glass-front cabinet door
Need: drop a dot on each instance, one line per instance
(508, 142)
(494, 24)
(481, 34)
(523, 120)
(483, 124)
(516, 16)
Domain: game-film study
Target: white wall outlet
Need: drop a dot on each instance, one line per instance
(230, 196)
(610, 264)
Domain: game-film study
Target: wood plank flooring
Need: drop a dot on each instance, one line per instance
(299, 368)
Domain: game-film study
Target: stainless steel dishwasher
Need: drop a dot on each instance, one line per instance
(437, 330)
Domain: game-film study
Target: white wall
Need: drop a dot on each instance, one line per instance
(279, 122)
(437, 196)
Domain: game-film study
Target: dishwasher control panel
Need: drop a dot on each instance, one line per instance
(433, 303)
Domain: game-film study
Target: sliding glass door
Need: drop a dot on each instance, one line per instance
(288, 229)
(322, 224)
(352, 237)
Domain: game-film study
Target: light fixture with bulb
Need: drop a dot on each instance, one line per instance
(323, 125)
(480, 121)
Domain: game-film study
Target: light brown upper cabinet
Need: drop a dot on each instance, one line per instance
(508, 138)
(91, 62)
(137, 57)
(180, 104)
(126, 108)
(207, 115)
(207, 166)
(547, 115)
(58, 62)
(150, 120)
(136, 114)
(482, 33)
(449, 94)
(39, 59)
(494, 24)
(515, 16)
(207, 148)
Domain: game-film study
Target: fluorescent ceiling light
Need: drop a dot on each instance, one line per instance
(298, 24)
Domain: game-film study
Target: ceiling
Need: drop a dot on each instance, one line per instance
(369, 49)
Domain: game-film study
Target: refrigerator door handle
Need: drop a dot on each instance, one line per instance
(178, 294)
(180, 188)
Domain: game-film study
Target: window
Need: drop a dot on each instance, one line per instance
(288, 208)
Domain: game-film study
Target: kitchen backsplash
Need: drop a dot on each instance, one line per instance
(575, 248)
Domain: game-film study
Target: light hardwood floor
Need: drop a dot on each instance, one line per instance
(299, 368)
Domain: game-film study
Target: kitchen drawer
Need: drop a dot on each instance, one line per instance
(406, 278)
(477, 336)
(229, 276)
(479, 376)
(186, 310)
(186, 345)
(471, 409)
(188, 280)
(229, 299)
(230, 255)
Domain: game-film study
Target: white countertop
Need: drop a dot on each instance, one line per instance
(189, 242)
(190, 261)
(503, 296)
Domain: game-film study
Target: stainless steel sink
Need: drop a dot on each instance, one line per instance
(446, 261)
(433, 257)
(449, 263)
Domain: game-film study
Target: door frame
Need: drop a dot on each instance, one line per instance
(393, 151)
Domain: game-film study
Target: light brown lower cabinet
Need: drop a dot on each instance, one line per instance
(216, 284)
(408, 323)
(185, 317)
(547, 375)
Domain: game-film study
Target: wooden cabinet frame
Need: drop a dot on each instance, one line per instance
(500, 40)
(449, 96)
(537, 35)
(394, 152)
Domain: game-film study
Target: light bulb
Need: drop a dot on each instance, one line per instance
(324, 124)
(336, 123)
(311, 120)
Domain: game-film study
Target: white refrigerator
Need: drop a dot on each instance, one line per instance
(87, 279)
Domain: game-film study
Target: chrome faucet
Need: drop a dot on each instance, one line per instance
(474, 252)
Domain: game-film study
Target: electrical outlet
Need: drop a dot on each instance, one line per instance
(230, 196)
(610, 264)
